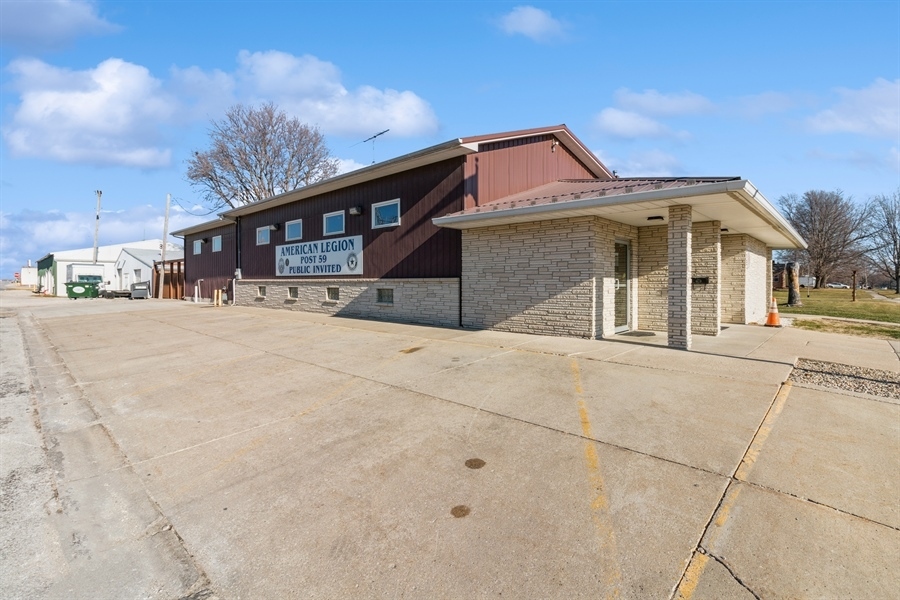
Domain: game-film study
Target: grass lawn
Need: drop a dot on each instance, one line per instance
(837, 304)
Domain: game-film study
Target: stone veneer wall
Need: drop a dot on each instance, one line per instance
(531, 277)
(423, 301)
(680, 269)
(734, 282)
(746, 279)
(706, 262)
(653, 277)
(759, 281)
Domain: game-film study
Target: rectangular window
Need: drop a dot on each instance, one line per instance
(262, 236)
(386, 214)
(137, 275)
(217, 243)
(333, 294)
(384, 295)
(261, 291)
(293, 292)
(333, 223)
(198, 246)
(293, 230)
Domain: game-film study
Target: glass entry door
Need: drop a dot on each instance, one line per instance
(623, 260)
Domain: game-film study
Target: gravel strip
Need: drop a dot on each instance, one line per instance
(884, 384)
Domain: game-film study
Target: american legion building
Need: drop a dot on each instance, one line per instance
(524, 231)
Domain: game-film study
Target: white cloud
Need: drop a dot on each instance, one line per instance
(651, 102)
(117, 113)
(50, 24)
(862, 159)
(652, 163)
(106, 115)
(534, 23)
(631, 125)
(311, 89)
(873, 111)
(32, 234)
(757, 105)
(345, 165)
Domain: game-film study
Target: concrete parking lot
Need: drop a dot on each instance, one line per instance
(162, 449)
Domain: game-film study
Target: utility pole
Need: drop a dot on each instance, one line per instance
(97, 226)
(162, 265)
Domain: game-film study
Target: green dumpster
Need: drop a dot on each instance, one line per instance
(82, 289)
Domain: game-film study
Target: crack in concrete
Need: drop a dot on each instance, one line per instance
(730, 570)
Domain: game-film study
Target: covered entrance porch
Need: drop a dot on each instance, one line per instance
(594, 258)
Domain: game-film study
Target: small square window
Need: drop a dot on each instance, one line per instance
(386, 214)
(333, 294)
(384, 295)
(262, 236)
(261, 291)
(293, 230)
(293, 292)
(198, 246)
(217, 243)
(333, 223)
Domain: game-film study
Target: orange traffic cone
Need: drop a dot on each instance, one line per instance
(772, 320)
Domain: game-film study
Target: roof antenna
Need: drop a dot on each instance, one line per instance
(372, 139)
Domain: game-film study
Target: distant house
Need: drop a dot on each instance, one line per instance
(523, 231)
(135, 265)
(56, 268)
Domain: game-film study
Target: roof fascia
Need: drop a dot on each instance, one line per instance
(427, 156)
(741, 190)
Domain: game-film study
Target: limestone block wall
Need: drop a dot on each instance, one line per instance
(746, 279)
(422, 301)
(680, 268)
(532, 277)
(652, 277)
(734, 269)
(706, 262)
(759, 280)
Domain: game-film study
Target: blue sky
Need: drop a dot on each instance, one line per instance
(115, 95)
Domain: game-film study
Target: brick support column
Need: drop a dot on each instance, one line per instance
(679, 292)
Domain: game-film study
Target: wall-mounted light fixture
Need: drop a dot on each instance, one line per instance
(553, 145)
(274, 227)
(656, 218)
(204, 241)
(356, 210)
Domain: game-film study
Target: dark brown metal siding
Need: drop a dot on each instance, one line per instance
(216, 269)
(416, 248)
(512, 166)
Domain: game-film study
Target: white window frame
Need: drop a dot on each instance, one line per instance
(268, 235)
(217, 243)
(328, 294)
(198, 247)
(293, 292)
(287, 229)
(378, 205)
(325, 223)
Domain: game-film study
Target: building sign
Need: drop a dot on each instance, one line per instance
(340, 256)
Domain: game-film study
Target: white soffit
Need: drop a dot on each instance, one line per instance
(738, 205)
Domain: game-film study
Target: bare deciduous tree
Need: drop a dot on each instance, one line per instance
(833, 226)
(257, 153)
(885, 240)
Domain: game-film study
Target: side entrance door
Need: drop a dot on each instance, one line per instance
(623, 289)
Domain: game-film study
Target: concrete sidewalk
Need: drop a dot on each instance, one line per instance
(190, 451)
